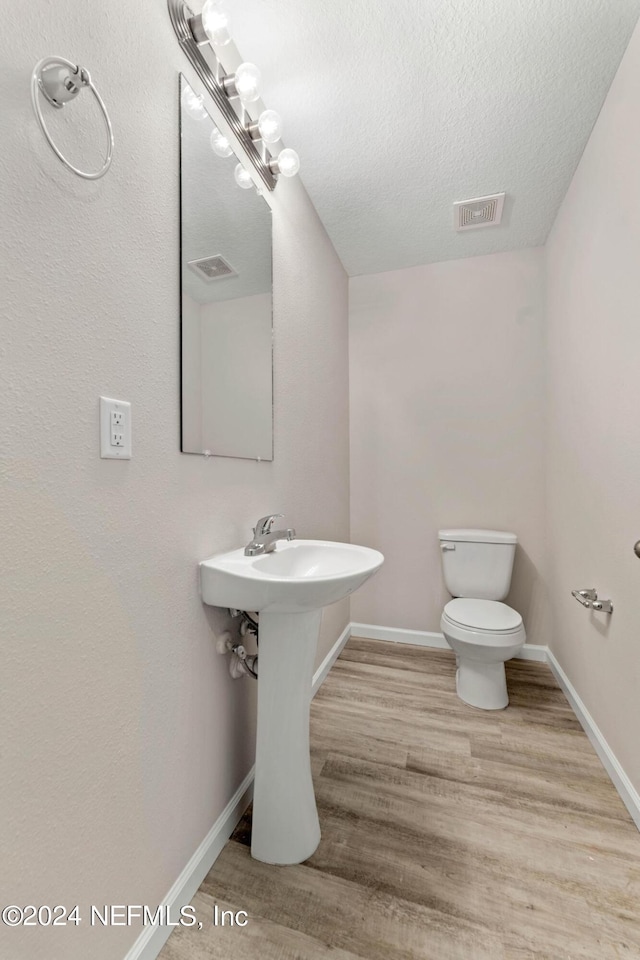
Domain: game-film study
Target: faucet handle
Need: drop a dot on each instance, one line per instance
(264, 524)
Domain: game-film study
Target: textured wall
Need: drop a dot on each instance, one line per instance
(447, 390)
(122, 735)
(594, 429)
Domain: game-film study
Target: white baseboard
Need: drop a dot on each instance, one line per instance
(533, 651)
(610, 762)
(418, 638)
(322, 671)
(424, 638)
(153, 938)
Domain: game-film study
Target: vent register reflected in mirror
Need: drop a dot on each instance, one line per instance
(227, 379)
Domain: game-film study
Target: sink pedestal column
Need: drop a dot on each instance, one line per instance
(285, 819)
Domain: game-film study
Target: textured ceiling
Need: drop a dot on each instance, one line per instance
(400, 107)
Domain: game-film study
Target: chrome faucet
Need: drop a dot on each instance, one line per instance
(264, 538)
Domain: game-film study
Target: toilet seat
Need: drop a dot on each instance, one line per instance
(483, 623)
(482, 616)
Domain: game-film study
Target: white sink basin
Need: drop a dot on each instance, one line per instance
(288, 589)
(299, 575)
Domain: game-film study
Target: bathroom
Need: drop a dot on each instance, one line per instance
(424, 379)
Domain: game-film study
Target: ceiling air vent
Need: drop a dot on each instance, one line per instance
(213, 268)
(480, 212)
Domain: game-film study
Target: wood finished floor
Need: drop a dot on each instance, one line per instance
(448, 833)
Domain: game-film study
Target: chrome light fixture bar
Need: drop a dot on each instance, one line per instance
(211, 28)
(181, 18)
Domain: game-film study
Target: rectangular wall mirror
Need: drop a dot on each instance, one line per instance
(226, 324)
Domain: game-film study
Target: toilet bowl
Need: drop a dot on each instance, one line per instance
(483, 634)
(482, 631)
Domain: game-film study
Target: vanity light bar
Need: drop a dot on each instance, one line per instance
(181, 16)
(211, 27)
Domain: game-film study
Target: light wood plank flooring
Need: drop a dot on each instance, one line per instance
(448, 833)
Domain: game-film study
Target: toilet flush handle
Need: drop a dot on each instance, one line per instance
(447, 546)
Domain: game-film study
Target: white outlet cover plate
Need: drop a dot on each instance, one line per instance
(107, 450)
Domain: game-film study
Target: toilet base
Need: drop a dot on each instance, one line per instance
(482, 685)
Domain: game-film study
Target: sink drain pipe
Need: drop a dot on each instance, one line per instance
(242, 664)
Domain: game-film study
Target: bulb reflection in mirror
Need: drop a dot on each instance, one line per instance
(219, 144)
(287, 162)
(215, 23)
(242, 177)
(193, 104)
(270, 126)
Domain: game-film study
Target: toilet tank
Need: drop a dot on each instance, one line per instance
(477, 563)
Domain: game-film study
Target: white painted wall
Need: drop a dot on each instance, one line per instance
(122, 735)
(593, 267)
(447, 390)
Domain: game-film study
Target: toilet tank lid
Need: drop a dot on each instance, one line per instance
(478, 536)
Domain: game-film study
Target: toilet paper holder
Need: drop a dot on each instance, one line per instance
(589, 599)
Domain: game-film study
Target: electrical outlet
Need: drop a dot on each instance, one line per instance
(115, 429)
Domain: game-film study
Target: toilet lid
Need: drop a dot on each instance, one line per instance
(483, 615)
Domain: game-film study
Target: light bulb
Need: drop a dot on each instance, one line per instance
(215, 23)
(270, 126)
(288, 162)
(219, 144)
(193, 104)
(246, 80)
(242, 177)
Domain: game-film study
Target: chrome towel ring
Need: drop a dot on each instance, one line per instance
(60, 81)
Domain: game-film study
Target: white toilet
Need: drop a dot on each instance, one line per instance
(482, 632)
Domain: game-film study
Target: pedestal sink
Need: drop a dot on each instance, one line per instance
(288, 588)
